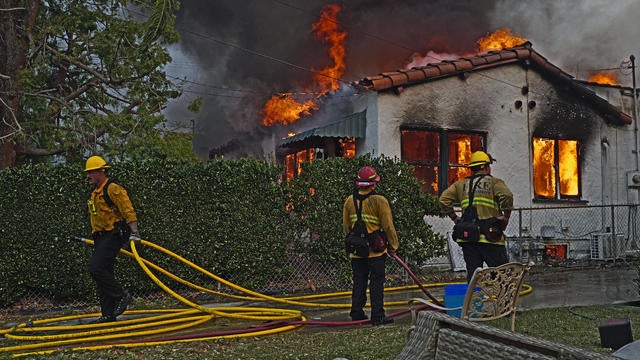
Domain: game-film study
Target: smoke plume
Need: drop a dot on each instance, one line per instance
(237, 54)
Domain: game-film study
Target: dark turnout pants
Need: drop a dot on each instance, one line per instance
(105, 249)
(368, 271)
(477, 253)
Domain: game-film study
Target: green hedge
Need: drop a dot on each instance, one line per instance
(232, 218)
(332, 181)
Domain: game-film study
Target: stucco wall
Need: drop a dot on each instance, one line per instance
(485, 101)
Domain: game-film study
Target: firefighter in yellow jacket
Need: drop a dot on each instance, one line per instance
(107, 240)
(493, 201)
(370, 270)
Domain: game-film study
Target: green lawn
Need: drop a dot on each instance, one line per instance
(576, 326)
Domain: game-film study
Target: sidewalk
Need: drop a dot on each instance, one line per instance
(557, 287)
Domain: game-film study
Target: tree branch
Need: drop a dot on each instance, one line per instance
(26, 150)
(77, 63)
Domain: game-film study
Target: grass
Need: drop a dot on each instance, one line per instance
(576, 326)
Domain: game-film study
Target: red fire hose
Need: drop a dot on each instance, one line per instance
(415, 278)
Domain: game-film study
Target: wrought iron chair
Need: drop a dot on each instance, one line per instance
(491, 294)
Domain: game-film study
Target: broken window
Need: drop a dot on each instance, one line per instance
(346, 147)
(431, 150)
(293, 162)
(555, 168)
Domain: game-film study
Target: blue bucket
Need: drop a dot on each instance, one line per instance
(454, 297)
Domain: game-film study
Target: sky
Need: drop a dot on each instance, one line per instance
(235, 54)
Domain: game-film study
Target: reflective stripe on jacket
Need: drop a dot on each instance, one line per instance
(491, 198)
(376, 214)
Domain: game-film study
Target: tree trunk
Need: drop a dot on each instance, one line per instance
(17, 18)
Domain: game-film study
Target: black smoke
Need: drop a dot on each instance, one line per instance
(241, 52)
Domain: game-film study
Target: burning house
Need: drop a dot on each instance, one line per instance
(558, 141)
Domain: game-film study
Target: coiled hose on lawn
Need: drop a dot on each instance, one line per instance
(150, 327)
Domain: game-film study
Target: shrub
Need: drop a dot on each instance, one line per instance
(232, 218)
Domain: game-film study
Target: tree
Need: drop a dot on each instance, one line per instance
(85, 76)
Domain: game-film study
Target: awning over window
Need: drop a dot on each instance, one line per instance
(354, 125)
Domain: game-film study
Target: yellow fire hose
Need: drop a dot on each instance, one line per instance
(153, 322)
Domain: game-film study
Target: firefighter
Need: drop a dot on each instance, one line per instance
(493, 201)
(370, 270)
(108, 209)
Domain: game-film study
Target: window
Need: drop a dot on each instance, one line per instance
(347, 147)
(429, 151)
(293, 162)
(340, 147)
(555, 168)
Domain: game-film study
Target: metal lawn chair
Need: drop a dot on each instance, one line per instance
(491, 294)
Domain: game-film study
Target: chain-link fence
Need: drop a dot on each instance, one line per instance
(563, 235)
(549, 235)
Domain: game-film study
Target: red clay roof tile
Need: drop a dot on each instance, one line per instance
(523, 52)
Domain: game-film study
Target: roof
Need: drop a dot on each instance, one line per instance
(354, 125)
(518, 54)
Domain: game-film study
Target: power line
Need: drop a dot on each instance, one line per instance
(217, 87)
(238, 47)
(352, 30)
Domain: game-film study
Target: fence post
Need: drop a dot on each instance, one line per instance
(613, 220)
(520, 223)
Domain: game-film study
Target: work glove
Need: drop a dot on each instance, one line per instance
(135, 237)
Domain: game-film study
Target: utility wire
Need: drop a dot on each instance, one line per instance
(226, 43)
(268, 57)
(351, 30)
(217, 87)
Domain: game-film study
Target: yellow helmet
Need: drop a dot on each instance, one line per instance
(479, 158)
(95, 162)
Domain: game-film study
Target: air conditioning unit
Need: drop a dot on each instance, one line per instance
(607, 246)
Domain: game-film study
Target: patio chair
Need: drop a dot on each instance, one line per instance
(440, 336)
(491, 294)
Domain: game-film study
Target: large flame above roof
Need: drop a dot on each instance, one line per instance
(604, 77)
(498, 40)
(287, 108)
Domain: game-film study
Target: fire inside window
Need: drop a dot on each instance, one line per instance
(430, 151)
(293, 161)
(348, 146)
(555, 168)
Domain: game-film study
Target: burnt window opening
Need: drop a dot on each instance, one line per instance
(347, 147)
(430, 151)
(556, 167)
(293, 162)
(342, 147)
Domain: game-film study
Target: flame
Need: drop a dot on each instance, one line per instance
(606, 78)
(328, 29)
(284, 108)
(463, 156)
(544, 167)
(348, 146)
(568, 163)
(290, 161)
(500, 39)
(544, 172)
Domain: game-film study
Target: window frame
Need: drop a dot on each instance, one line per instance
(556, 166)
(443, 164)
